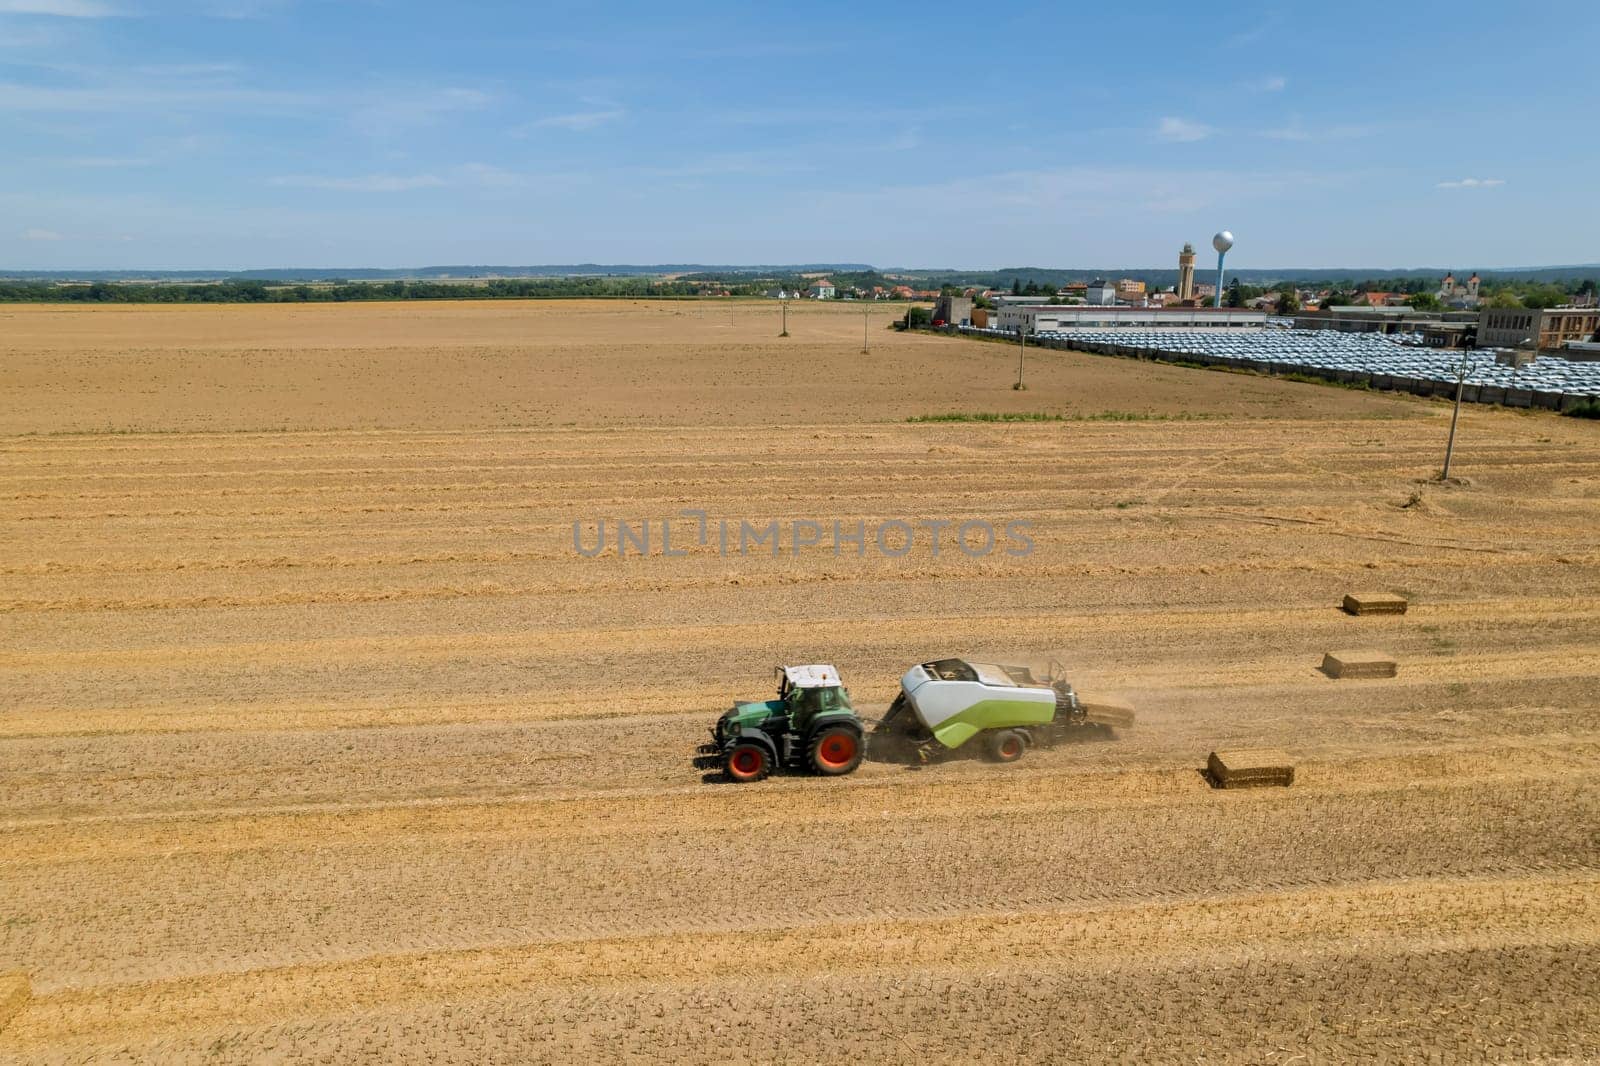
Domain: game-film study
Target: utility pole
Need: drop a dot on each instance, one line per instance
(866, 341)
(1022, 347)
(784, 304)
(1450, 447)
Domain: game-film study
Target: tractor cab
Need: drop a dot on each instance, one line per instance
(812, 692)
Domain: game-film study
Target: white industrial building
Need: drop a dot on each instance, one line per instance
(1041, 317)
(1101, 293)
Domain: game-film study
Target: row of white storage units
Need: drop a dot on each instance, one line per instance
(1376, 360)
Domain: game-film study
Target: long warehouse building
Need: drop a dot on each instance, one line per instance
(1041, 317)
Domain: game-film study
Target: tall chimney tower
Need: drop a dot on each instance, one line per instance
(1186, 273)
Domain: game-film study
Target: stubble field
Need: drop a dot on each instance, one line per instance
(320, 742)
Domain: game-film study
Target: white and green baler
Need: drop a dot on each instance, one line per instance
(944, 704)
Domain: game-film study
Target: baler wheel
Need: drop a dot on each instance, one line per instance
(836, 750)
(747, 762)
(1007, 745)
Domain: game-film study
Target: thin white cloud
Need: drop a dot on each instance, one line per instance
(211, 88)
(834, 114)
(580, 121)
(1182, 130)
(396, 112)
(106, 162)
(1078, 193)
(483, 175)
(489, 175)
(186, 70)
(1274, 84)
(744, 164)
(113, 99)
(1471, 183)
(40, 235)
(70, 9)
(763, 49)
(361, 183)
(1295, 131)
(241, 9)
(905, 141)
(1255, 34)
(38, 35)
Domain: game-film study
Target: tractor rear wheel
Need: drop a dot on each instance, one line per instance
(747, 761)
(1007, 745)
(836, 750)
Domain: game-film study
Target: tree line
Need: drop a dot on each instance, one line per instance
(1420, 293)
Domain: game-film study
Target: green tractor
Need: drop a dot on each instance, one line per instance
(811, 724)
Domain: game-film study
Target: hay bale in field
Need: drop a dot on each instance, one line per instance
(1118, 714)
(1250, 768)
(1374, 603)
(1359, 662)
(15, 992)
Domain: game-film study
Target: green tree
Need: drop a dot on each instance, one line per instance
(1235, 296)
(1426, 301)
(1544, 296)
(1504, 299)
(1288, 301)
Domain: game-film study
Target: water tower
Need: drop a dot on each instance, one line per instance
(1221, 242)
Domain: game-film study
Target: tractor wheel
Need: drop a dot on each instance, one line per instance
(1007, 745)
(747, 762)
(836, 750)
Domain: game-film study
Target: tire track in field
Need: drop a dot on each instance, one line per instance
(1187, 627)
(1398, 917)
(904, 451)
(594, 813)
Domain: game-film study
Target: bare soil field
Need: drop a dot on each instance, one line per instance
(319, 741)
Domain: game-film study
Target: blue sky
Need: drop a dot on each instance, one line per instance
(254, 133)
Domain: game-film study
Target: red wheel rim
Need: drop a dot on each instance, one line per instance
(746, 762)
(1011, 747)
(836, 750)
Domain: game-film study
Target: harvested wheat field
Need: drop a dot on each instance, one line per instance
(319, 741)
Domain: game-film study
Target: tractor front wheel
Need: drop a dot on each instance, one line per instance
(1007, 745)
(746, 762)
(836, 750)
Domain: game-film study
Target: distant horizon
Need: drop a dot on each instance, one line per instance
(475, 270)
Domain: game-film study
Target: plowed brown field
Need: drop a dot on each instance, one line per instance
(320, 742)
